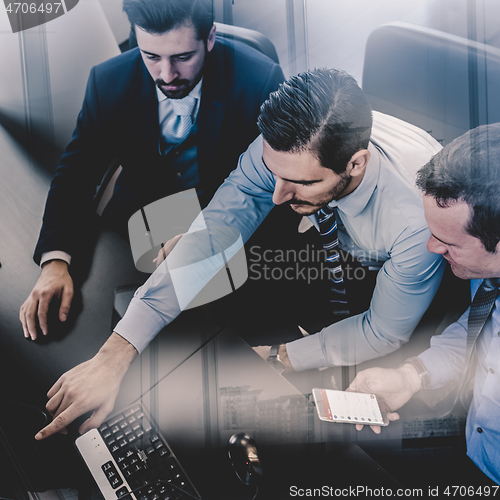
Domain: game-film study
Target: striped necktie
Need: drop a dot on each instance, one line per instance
(177, 128)
(479, 313)
(329, 237)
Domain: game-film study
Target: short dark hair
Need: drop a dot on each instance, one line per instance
(322, 111)
(468, 169)
(160, 16)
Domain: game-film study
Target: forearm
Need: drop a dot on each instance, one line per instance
(398, 303)
(118, 353)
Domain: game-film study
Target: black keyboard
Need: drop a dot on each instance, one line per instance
(144, 458)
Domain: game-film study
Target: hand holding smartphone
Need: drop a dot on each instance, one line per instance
(348, 407)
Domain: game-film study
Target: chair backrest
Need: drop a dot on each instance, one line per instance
(249, 37)
(442, 83)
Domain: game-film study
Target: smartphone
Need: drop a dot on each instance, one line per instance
(348, 407)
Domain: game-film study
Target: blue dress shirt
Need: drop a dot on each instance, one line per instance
(383, 221)
(445, 362)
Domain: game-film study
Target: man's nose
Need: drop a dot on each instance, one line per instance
(283, 192)
(168, 72)
(435, 246)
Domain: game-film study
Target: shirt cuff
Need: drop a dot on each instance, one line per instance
(139, 325)
(55, 255)
(432, 359)
(306, 353)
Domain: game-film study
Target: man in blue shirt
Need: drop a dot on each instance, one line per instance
(462, 208)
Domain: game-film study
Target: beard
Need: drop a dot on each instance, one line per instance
(305, 207)
(185, 85)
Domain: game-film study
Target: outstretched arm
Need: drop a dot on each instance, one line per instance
(92, 385)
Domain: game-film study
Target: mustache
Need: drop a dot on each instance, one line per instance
(175, 83)
(294, 201)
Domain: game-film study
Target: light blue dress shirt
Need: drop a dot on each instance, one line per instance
(383, 221)
(445, 361)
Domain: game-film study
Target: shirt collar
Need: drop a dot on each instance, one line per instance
(354, 203)
(196, 92)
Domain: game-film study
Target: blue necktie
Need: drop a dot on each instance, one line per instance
(479, 313)
(329, 237)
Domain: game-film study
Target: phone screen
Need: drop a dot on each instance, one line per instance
(348, 407)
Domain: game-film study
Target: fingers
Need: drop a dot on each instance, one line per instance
(43, 311)
(54, 402)
(67, 297)
(160, 257)
(95, 420)
(31, 317)
(22, 318)
(59, 423)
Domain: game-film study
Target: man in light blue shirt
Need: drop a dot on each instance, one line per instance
(318, 147)
(462, 208)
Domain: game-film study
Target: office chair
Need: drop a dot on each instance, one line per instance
(442, 83)
(249, 37)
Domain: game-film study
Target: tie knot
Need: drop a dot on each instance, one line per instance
(184, 106)
(491, 283)
(325, 213)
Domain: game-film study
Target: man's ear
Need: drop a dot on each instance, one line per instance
(357, 164)
(211, 39)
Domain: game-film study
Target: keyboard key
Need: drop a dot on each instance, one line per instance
(111, 473)
(115, 482)
(122, 492)
(115, 420)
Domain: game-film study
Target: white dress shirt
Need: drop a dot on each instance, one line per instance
(383, 219)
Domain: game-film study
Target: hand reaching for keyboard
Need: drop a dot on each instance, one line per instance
(90, 386)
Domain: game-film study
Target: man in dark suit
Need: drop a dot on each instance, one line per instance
(129, 116)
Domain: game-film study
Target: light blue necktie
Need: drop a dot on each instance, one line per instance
(177, 128)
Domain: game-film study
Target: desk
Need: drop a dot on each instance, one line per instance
(225, 388)
(303, 454)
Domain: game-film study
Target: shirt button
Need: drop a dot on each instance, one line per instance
(479, 430)
(178, 174)
(177, 153)
(491, 370)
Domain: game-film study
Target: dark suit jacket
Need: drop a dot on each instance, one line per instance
(119, 119)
